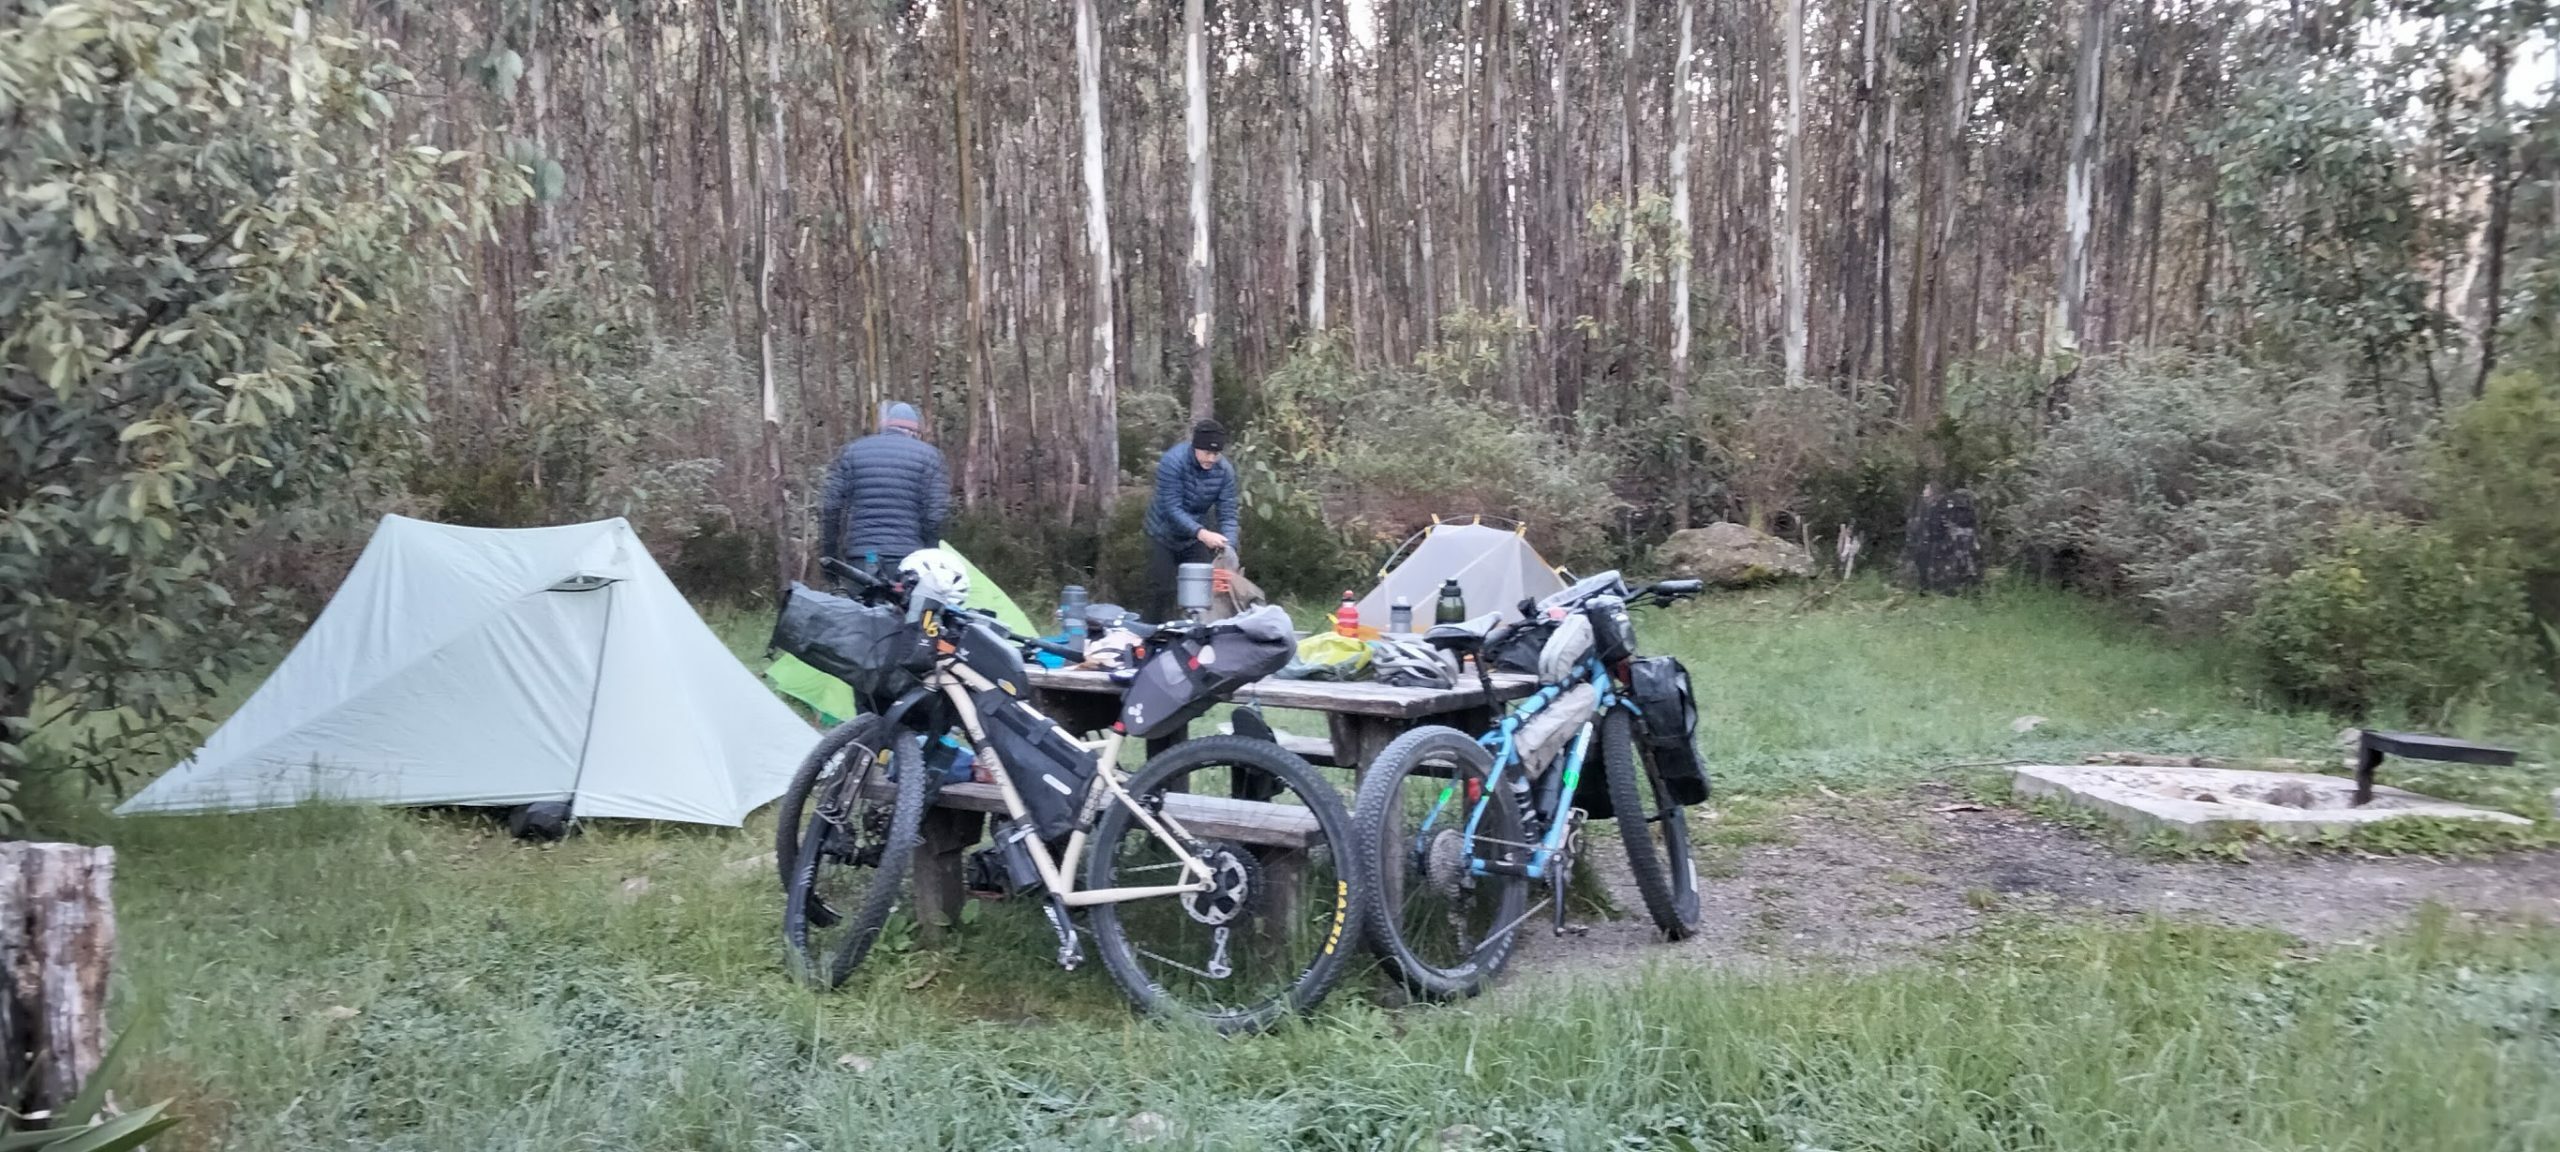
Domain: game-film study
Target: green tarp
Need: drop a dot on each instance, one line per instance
(832, 699)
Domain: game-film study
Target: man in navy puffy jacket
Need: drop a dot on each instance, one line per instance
(886, 494)
(1193, 515)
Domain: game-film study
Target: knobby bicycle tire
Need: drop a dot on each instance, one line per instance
(888, 876)
(1665, 874)
(1119, 954)
(1389, 870)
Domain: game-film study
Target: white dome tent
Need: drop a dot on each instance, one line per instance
(498, 667)
(1495, 567)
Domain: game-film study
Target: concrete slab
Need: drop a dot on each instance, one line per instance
(2209, 803)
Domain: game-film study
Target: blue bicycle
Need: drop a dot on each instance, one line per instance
(1464, 826)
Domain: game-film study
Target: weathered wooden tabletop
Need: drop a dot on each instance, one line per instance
(1353, 698)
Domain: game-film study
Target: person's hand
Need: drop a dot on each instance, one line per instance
(1215, 541)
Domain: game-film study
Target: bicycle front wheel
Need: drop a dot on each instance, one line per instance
(854, 837)
(1271, 935)
(1654, 827)
(1425, 810)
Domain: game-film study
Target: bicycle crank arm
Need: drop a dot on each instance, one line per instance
(1070, 946)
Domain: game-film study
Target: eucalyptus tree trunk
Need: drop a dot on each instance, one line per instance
(1101, 382)
(1922, 399)
(1680, 246)
(768, 197)
(1195, 76)
(1791, 272)
(974, 462)
(1627, 115)
(1314, 140)
(2071, 278)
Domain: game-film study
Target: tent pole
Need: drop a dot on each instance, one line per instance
(578, 781)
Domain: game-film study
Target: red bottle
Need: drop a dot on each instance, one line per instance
(1346, 619)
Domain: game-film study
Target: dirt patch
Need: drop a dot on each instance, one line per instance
(1865, 883)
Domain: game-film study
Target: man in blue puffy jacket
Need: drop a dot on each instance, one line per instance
(1193, 515)
(886, 494)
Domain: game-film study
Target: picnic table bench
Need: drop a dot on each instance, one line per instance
(1360, 719)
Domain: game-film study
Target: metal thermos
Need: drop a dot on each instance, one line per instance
(1400, 616)
(1191, 588)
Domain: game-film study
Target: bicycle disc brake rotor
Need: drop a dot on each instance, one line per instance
(1234, 876)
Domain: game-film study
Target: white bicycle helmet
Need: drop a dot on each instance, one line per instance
(938, 574)
(1408, 664)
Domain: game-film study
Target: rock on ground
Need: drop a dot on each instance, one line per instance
(1730, 555)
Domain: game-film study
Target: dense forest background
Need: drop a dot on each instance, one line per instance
(2206, 299)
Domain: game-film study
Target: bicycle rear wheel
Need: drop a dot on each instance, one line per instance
(854, 840)
(1654, 828)
(1443, 930)
(1272, 936)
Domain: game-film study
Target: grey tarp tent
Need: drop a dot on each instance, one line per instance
(500, 667)
(1495, 567)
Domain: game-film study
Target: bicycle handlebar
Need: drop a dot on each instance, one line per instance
(848, 572)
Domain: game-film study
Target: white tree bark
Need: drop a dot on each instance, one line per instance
(1195, 77)
(1101, 379)
(1680, 243)
(770, 204)
(1315, 165)
(1791, 240)
(2071, 282)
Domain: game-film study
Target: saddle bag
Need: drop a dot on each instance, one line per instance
(1184, 679)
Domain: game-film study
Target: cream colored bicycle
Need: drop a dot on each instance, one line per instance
(1216, 879)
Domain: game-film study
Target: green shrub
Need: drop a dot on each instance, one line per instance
(2493, 478)
(2391, 614)
(1120, 559)
(2187, 480)
(1384, 449)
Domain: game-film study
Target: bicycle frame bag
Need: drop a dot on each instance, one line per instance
(1050, 771)
(869, 647)
(1184, 679)
(1669, 728)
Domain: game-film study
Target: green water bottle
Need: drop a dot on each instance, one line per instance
(1453, 604)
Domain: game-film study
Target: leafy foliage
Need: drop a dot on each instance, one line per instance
(1384, 448)
(2493, 475)
(2392, 614)
(210, 235)
(2187, 480)
(2324, 210)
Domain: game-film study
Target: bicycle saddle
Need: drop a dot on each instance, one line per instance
(1466, 637)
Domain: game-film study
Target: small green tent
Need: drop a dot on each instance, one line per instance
(832, 699)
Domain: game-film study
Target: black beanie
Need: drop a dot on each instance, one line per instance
(1209, 436)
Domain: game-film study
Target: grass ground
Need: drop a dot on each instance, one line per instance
(398, 980)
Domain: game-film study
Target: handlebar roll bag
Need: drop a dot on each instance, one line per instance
(869, 647)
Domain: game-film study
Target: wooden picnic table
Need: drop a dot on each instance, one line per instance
(1360, 719)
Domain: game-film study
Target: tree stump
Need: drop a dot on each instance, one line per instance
(1942, 549)
(57, 941)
